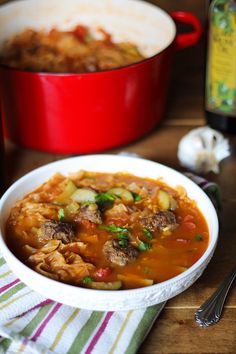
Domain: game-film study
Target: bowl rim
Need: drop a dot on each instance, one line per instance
(10, 257)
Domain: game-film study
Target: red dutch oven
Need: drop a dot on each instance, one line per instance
(90, 112)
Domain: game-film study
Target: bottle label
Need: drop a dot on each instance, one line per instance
(221, 61)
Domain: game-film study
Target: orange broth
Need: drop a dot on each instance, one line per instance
(161, 251)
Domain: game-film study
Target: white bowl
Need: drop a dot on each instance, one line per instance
(102, 299)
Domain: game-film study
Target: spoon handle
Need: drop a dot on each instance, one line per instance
(210, 311)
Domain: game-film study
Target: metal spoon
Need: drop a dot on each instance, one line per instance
(210, 311)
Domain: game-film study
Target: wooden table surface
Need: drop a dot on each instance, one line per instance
(175, 331)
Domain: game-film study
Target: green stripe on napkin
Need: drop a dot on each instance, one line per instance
(84, 334)
(143, 328)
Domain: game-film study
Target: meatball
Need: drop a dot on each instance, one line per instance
(89, 212)
(163, 221)
(119, 255)
(57, 230)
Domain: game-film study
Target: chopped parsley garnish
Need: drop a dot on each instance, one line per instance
(104, 199)
(136, 197)
(61, 214)
(122, 236)
(123, 239)
(121, 233)
(199, 237)
(144, 246)
(87, 280)
(123, 242)
(115, 229)
(148, 233)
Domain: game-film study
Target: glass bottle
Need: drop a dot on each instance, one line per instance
(220, 90)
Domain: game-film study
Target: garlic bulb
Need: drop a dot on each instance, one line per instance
(202, 149)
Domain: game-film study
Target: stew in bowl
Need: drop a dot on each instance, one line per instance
(107, 230)
(99, 232)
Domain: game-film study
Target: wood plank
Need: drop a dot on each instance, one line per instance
(159, 145)
(175, 331)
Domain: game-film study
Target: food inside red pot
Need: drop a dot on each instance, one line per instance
(74, 51)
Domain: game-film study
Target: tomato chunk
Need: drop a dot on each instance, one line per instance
(103, 273)
(88, 224)
(188, 218)
(182, 240)
(189, 225)
(80, 32)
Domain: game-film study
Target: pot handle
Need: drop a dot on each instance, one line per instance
(184, 40)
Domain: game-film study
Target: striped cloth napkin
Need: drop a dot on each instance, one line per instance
(31, 324)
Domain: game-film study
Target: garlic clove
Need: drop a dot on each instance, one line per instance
(202, 149)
